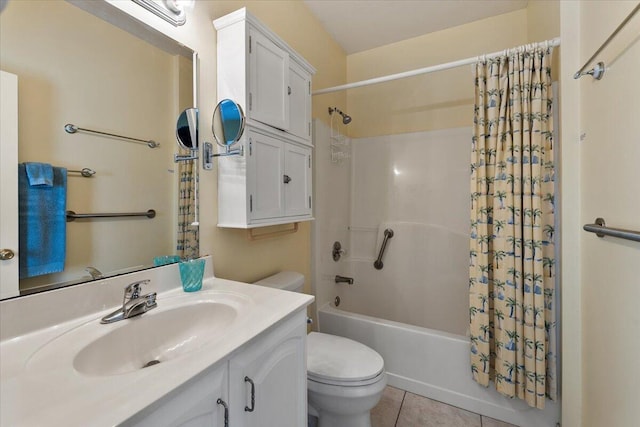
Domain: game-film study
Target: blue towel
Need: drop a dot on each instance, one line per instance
(39, 174)
(42, 223)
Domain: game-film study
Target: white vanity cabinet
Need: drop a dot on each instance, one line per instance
(272, 375)
(262, 384)
(259, 71)
(195, 404)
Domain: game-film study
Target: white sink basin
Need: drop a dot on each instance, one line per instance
(177, 327)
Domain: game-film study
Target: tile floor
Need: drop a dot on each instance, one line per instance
(399, 408)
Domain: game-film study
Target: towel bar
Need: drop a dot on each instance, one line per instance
(85, 172)
(71, 128)
(601, 230)
(71, 215)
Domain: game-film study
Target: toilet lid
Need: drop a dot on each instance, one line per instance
(336, 359)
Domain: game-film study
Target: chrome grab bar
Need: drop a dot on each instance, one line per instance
(71, 215)
(388, 233)
(601, 230)
(71, 128)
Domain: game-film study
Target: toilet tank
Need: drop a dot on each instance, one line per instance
(285, 280)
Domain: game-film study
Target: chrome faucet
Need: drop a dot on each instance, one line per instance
(343, 279)
(133, 304)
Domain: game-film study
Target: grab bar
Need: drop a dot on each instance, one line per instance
(71, 128)
(388, 233)
(601, 230)
(71, 215)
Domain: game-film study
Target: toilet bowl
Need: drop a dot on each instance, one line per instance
(345, 379)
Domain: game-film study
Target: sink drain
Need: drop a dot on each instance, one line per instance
(151, 363)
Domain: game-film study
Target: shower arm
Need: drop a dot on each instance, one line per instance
(388, 233)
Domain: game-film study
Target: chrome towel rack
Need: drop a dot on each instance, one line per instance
(388, 233)
(598, 71)
(71, 128)
(601, 230)
(71, 215)
(85, 172)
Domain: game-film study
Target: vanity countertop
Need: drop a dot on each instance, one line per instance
(53, 393)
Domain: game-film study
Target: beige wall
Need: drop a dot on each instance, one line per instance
(78, 69)
(600, 176)
(437, 100)
(235, 257)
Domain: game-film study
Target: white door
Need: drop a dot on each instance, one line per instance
(297, 179)
(279, 390)
(268, 82)
(8, 185)
(299, 101)
(265, 177)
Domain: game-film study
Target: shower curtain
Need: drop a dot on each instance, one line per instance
(511, 281)
(187, 245)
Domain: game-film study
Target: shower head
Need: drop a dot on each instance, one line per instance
(346, 119)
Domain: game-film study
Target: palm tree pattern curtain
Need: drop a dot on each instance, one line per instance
(512, 264)
(188, 235)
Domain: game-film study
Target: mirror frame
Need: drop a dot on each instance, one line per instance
(218, 123)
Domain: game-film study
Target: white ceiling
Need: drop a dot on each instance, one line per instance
(359, 25)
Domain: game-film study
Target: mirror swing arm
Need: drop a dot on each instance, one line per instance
(208, 154)
(227, 127)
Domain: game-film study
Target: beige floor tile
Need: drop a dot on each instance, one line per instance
(385, 413)
(490, 422)
(418, 411)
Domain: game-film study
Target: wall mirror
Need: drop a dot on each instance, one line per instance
(75, 67)
(227, 126)
(228, 123)
(187, 129)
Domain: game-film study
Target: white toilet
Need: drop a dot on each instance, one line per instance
(345, 379)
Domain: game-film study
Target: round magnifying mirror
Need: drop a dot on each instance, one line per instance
(187, 129)
(228, 123)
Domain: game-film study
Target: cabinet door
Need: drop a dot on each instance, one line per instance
(265, 163)
(299, 101)
(192, 405)
(277, 368)
(268, 82)
(297, 170)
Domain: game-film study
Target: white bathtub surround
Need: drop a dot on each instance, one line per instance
(433, 364)
(423, 281)
(36, 391)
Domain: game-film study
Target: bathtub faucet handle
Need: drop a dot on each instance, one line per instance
(344, 279)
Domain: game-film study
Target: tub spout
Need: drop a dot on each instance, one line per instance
(343, 279)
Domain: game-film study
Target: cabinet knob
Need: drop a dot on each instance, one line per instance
(286, 179)
(288, 90)
(6, 254)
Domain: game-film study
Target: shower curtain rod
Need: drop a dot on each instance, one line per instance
(431, 69)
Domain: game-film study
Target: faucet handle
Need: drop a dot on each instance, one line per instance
(132, 291)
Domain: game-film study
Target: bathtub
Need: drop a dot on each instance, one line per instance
(432, 364)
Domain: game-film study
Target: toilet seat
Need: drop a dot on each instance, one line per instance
(339, 361)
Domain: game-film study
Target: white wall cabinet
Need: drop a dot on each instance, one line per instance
(259, 71)
(275, 362)
(271, 183)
